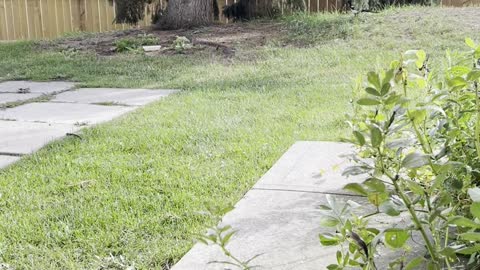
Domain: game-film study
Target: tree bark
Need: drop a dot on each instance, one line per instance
(187, 13)
(261, 8)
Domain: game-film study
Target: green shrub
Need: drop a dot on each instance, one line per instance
(417, 133)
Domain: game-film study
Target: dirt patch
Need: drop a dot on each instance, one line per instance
(221, 39)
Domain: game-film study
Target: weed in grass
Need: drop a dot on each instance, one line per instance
(135, 44)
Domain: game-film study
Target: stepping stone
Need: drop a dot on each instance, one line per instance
(11, 97)
(35, 87)
(279, 218)
(133, 97)
(64, 113)
(27, 137)
(7, 160)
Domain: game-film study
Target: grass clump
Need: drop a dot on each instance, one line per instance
(321, 27)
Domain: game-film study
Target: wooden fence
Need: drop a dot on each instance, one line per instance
(43, 19)
(40, 19)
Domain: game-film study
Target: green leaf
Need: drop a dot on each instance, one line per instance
(432, 266)
(368, 102)
(475, 209)
(226, 238)
(418, 116)
(332, 267)
(328, 240)
(469, 250)
(463, 222)
(473, 75)
(474, 194)
(375, 184)
(413, 264)
(375, 136)
(388, 77)
(328, 221)
(373, 79)
(396, 238)
(360, 138)
(415, 187)
(372, 91)
(421, 57)
(339, 256)
(476, 54)
(470, 43)
(457, 82)
(356, 188)
(448, 252)
(415, 160)
(389, 208)
(385, 88)
(377, 198)
(470, 236)
(392, 99)
(459, 70)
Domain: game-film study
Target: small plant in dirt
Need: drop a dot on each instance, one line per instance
(134, 44)
(181, 44)
(417, 135)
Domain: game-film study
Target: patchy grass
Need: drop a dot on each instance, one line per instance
(134, 191)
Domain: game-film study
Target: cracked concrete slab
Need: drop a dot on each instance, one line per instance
(35, 87)
(27, 137)
(134, 97)
(279, 221)
(64, 113)
(7, 160)
(13, 97)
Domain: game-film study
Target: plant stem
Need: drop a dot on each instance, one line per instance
(477, 124)
(413, 214)
(229, 254)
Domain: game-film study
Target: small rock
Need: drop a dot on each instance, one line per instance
(152, 48)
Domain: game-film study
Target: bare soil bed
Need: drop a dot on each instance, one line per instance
(223, 39)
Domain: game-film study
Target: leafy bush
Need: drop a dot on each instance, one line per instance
(181, 44)
(135, 43)
(417, 133)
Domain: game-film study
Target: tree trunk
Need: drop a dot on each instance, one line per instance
(262, 8)
(187, 13)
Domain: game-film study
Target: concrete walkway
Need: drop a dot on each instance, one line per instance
(279, 217)
(35, 113)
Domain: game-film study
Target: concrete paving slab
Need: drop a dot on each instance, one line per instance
(35, 87)
(12, 97)
(280, 225)
(27, 137)
(283, 225)
(64, 113)
(310, 166)
(7, 160)
(135, 97)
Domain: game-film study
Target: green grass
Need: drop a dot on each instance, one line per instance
(138, 187)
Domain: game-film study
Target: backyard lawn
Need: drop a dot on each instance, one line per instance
(135, 191)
